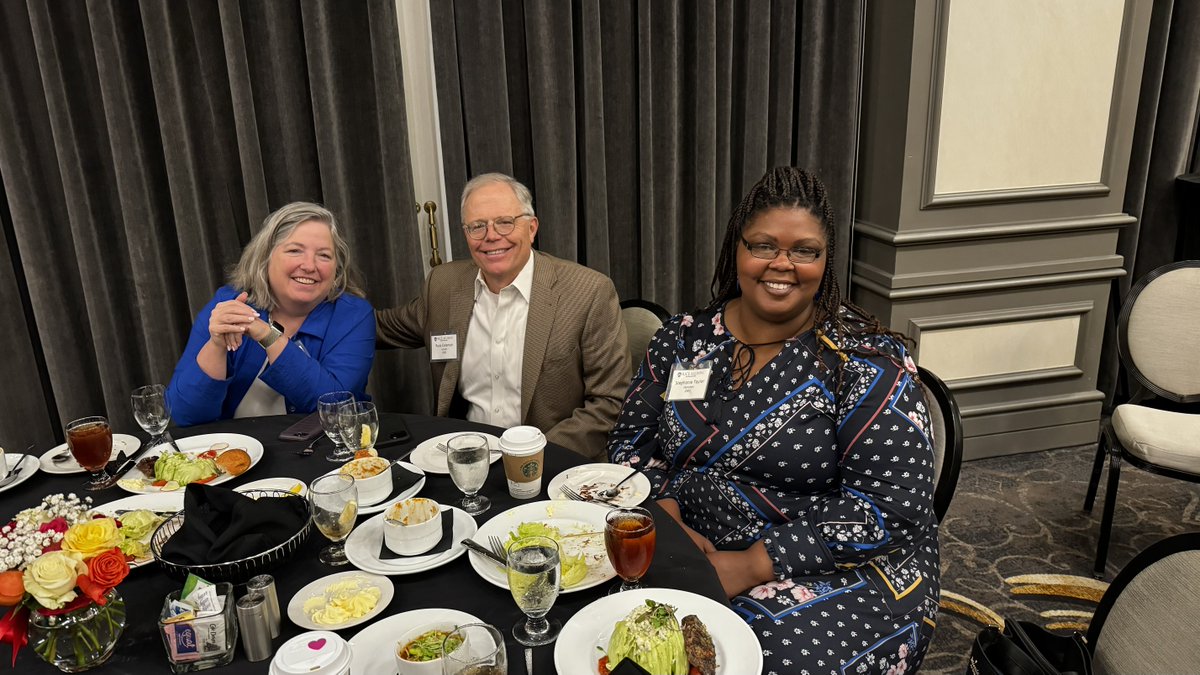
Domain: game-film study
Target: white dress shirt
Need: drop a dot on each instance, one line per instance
(490, 380)
(260, 400)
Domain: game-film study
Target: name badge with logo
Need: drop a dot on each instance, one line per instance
(689, 381)
(443, 346)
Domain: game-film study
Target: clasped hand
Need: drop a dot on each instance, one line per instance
(232, 319)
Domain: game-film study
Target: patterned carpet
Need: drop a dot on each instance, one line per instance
(1023, 514)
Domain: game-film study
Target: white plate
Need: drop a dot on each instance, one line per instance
(570, 518)
(193, 446)
(295, 608)
(161, 502)
(592, 478)
(395, 496)
(23, 465)
(285, 484)
(575, 651)
(374, 647)
(427, 456)
(121, 443)
(364, 543)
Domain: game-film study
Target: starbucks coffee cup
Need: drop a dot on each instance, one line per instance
(524, 449)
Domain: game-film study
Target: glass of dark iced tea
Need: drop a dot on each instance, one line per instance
(90, 440)
(629, 537)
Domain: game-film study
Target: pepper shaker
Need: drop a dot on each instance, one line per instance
(264, 584)
(256, 631)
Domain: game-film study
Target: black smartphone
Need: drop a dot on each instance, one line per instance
(304, 430)
(399, 434)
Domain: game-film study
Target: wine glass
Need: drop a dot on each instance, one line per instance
(533, 575)
(334, 502)
(629, 537)
(467, 458)
(152, 412)
(329, 409)
(90, 441)
(359, 423)
(480, 651)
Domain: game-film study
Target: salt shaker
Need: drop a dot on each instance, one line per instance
(264, 584)
(256, 631)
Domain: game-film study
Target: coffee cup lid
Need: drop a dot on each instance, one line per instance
(522, 440)
(317, 651)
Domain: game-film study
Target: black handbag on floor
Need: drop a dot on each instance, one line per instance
(1026, 648)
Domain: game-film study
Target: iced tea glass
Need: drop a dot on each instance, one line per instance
(629, 537)
(90, 441)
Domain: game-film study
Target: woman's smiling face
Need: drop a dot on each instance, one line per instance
(302, 267)
(779, 291)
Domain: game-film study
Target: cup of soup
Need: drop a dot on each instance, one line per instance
(373, 476)
(412, 526)
(419, 651)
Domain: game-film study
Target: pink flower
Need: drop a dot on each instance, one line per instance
(718, 329)
(762, 592)
(903, 651)
(59, 525)
(634, 460)
(803, 593)
(686, 320)
(781, 585)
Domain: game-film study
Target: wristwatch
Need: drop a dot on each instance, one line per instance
(275, 334)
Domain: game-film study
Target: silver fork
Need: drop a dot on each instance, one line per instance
(571, 494)
(497, 547)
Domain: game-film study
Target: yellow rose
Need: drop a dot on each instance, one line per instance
(51, 578)
(92, 538)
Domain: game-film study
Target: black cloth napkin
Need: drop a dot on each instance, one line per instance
(402, 479)
(442, 546)
(221, 525)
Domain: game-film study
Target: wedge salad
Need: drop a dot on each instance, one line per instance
(655, 639)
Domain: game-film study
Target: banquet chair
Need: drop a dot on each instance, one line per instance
(1156, 340)
(642, 320)
(947, 439)
(1146, 621)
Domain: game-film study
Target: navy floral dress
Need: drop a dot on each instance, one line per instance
(836, 480)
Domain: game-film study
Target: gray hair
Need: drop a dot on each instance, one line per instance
(250, 272)
(523, 194)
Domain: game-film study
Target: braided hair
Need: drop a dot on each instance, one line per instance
(792, 187)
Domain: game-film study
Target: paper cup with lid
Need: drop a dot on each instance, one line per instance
(524, 449)
(318, 652)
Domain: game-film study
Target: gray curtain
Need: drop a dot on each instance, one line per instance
(639, 124)
(1165, 145)
(142, 143)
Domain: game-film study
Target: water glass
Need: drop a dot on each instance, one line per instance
(534, 570)
(481, 652)
(629, 537)
(333, 499)
(152, 412)
(359, 423)
(90, 441)
(329, 409)
(468, 458)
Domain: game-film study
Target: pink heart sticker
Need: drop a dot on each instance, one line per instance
(316, 645)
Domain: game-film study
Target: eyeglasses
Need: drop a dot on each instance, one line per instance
(502, 225)
(765, 251)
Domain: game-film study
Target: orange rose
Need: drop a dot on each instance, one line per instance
(108, 569)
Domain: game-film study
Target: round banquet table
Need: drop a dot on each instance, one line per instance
(677, 562)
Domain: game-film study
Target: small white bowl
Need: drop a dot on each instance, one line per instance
(412, 526)
(433, 667)
(373, 476)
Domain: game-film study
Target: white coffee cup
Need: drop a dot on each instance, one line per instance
(524, 450)
(318, 652)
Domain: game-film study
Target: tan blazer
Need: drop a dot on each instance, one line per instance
(576, 367)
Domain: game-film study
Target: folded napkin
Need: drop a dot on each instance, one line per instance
(442, 546)
(221, 525)
(402, 479)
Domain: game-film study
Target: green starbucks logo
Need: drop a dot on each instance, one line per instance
(530, 469)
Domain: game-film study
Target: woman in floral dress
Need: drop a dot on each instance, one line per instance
(784, 428)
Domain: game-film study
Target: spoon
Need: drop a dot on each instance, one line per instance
(612, 492)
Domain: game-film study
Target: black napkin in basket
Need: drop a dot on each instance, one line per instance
(221, 525)
(442, 546)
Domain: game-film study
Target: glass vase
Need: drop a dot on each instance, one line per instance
(80, 639)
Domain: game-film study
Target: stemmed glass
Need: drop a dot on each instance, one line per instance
(533, 574)
(629, 537)
(329, 409)
(467, 458)
(480, 651)
(152, 412)
(90, 441)
(334, 502)
(360, 425)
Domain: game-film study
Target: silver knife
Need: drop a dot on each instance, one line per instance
(484, 551)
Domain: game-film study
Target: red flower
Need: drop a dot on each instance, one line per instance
(108, 569)
(13, 630)
(59, 525)
(93, 591)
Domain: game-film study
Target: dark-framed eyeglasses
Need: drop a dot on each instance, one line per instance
(503, 225)
(800, 256)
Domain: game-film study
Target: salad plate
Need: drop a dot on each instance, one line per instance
(427, 455)
(121, 443)
(192, 447)
(160, 503)
(584, 638)
(366, 541)
(319, 588)
(589, 479)
(19, 468)
(570, 518)
(374, 647)
(293, 485)
(381, 505)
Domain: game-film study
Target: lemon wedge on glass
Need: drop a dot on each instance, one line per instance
(365, 440)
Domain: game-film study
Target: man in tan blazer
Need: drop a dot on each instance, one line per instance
(517, 336)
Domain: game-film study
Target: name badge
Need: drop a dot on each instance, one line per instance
(689, 382)
(443, 347)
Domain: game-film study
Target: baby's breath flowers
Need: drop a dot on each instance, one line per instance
(37, 529)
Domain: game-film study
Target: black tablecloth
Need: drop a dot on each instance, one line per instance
(677, 562)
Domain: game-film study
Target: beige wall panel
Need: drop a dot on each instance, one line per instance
(998, 349)
(1026, 93)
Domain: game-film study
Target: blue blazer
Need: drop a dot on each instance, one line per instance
(332, 351)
